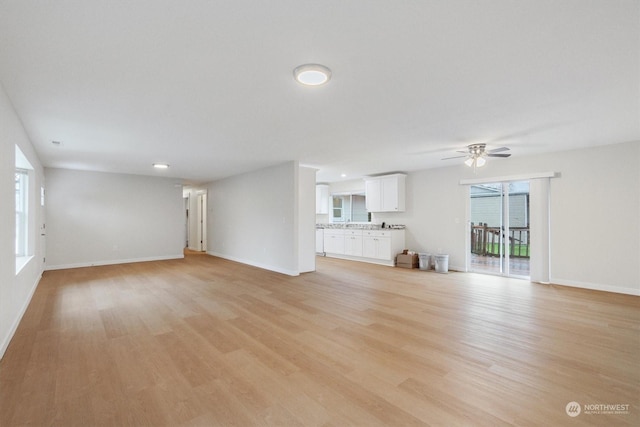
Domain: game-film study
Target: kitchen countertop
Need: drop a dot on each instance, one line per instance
(362, 226)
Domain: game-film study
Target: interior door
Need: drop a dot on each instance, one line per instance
(202, 222)
(186, 221)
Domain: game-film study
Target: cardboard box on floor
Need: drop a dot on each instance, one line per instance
(407, 261)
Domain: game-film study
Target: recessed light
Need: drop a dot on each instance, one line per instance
(344, 175)
(161, 165)
(312, 74)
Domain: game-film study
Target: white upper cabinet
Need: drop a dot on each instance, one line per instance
(373, 194)
(322, 199)
(386, 193)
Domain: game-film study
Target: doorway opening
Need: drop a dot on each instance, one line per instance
(201, 222)
(500, 228)
(195, 216)
(186, 221)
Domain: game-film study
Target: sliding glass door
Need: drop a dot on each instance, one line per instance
(518, 229)
(500, 218)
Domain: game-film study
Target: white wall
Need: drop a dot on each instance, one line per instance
(97, 218)
(16, 289)
(435, 214)
(306, 219)
(348, 186)
(594, 208)
(253, 218)
(595, 218)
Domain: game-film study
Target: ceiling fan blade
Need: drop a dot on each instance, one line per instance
(498, 155)
(454, 157)
(497, 150)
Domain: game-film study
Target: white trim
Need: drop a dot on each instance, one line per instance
(509, 178)
(14, 326)
(255, 264)
(21, 262)
(385, 262)
(596, 286)
(21, 160)
(112, 262)
(540, 230)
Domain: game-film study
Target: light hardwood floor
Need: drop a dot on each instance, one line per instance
(205, 341)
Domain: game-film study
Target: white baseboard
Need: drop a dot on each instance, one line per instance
(14, 326)
(112, 262)
(388, 263)
(255, 264)
(457, 268)
(596, 286)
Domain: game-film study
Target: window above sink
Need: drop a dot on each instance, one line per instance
(348, 208)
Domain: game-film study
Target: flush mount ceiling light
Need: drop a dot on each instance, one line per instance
(161, 165)
(312, 74)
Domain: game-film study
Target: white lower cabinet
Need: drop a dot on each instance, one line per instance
(334, 241)
(353, 242)
(376, 246)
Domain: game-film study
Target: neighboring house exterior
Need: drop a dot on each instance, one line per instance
(486, 205)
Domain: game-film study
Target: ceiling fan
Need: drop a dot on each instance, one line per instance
(476, 154)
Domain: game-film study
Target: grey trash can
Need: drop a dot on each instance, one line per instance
(442, 263)
(424, 261)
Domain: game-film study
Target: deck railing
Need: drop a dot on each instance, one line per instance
(485, 241)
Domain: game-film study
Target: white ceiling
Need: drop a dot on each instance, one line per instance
(207, 86)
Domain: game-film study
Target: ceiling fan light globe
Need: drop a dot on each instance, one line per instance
(480, 161)
(469, 161)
